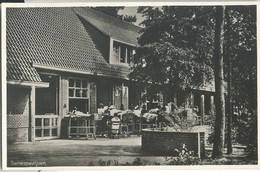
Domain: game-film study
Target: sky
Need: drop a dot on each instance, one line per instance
(132, 11)
(126, 11)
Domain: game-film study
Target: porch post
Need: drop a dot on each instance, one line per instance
(212, 105)
(189, 100)
(175, 99)
(202, 108)
(192, 100)
(32, 109)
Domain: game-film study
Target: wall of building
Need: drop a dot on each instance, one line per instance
(104, 92)
(18, 114)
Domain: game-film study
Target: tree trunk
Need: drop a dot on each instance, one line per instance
(229, 96)
(219, 136)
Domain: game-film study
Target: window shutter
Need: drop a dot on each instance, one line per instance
(117, 98)
(93, 97)
(125, 97)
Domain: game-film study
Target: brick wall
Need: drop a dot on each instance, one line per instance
(164, 143)
(17, 114)
(17, 135)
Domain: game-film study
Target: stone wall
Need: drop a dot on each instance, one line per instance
(17, 114)
(164, 143)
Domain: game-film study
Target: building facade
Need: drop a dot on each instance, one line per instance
(62, 58)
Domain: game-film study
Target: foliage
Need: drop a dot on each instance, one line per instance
(243, 53)
(179, 160)
(247, 132)
(183, 160)
(137, 162)
(240, 46)
(175, 48)
(130, 19)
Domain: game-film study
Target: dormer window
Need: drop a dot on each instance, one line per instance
(121, 53)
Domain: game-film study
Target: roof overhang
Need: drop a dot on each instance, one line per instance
(40, 66)
(114, 39)
(28, 83)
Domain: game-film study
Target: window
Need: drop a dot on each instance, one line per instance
(122, 53)
(78, 88)
(78, 95)
(116, 49)
(46, 126)
(130, 53)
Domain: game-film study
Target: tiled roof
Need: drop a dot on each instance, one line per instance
(53, 37)
(111, 26)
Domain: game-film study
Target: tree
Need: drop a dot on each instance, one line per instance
(219, 136)
(240, 46)
(130, 19)
(229, 80)
(175, 47)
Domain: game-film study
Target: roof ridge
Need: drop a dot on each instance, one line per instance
(131, 24)
(79, 15)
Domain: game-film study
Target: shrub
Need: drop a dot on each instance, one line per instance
(183, 160)
(247, 133)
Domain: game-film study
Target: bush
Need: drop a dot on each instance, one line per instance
(183, 160)
(247, 133)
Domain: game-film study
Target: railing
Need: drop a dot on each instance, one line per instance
(207, 120)
(46, 127)
(81, 128)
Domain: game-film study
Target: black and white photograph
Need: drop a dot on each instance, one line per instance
(128, 85)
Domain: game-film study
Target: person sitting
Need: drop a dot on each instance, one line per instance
(115, 125)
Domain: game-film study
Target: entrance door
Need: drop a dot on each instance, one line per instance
(46, 109)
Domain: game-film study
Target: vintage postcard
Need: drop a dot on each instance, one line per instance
(129, 85)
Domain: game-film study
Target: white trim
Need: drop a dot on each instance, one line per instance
(28, 83)
(32, 112)
(40, 66)
(4, 85)
(112, 59)
(111, 50)
(123, 42)
(48, 73)
(199, 154)
(79, 98)
(60, 107)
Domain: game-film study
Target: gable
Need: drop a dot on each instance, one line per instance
(115, 28)
(53, 37)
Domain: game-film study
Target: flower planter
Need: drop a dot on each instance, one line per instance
(166, 142)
